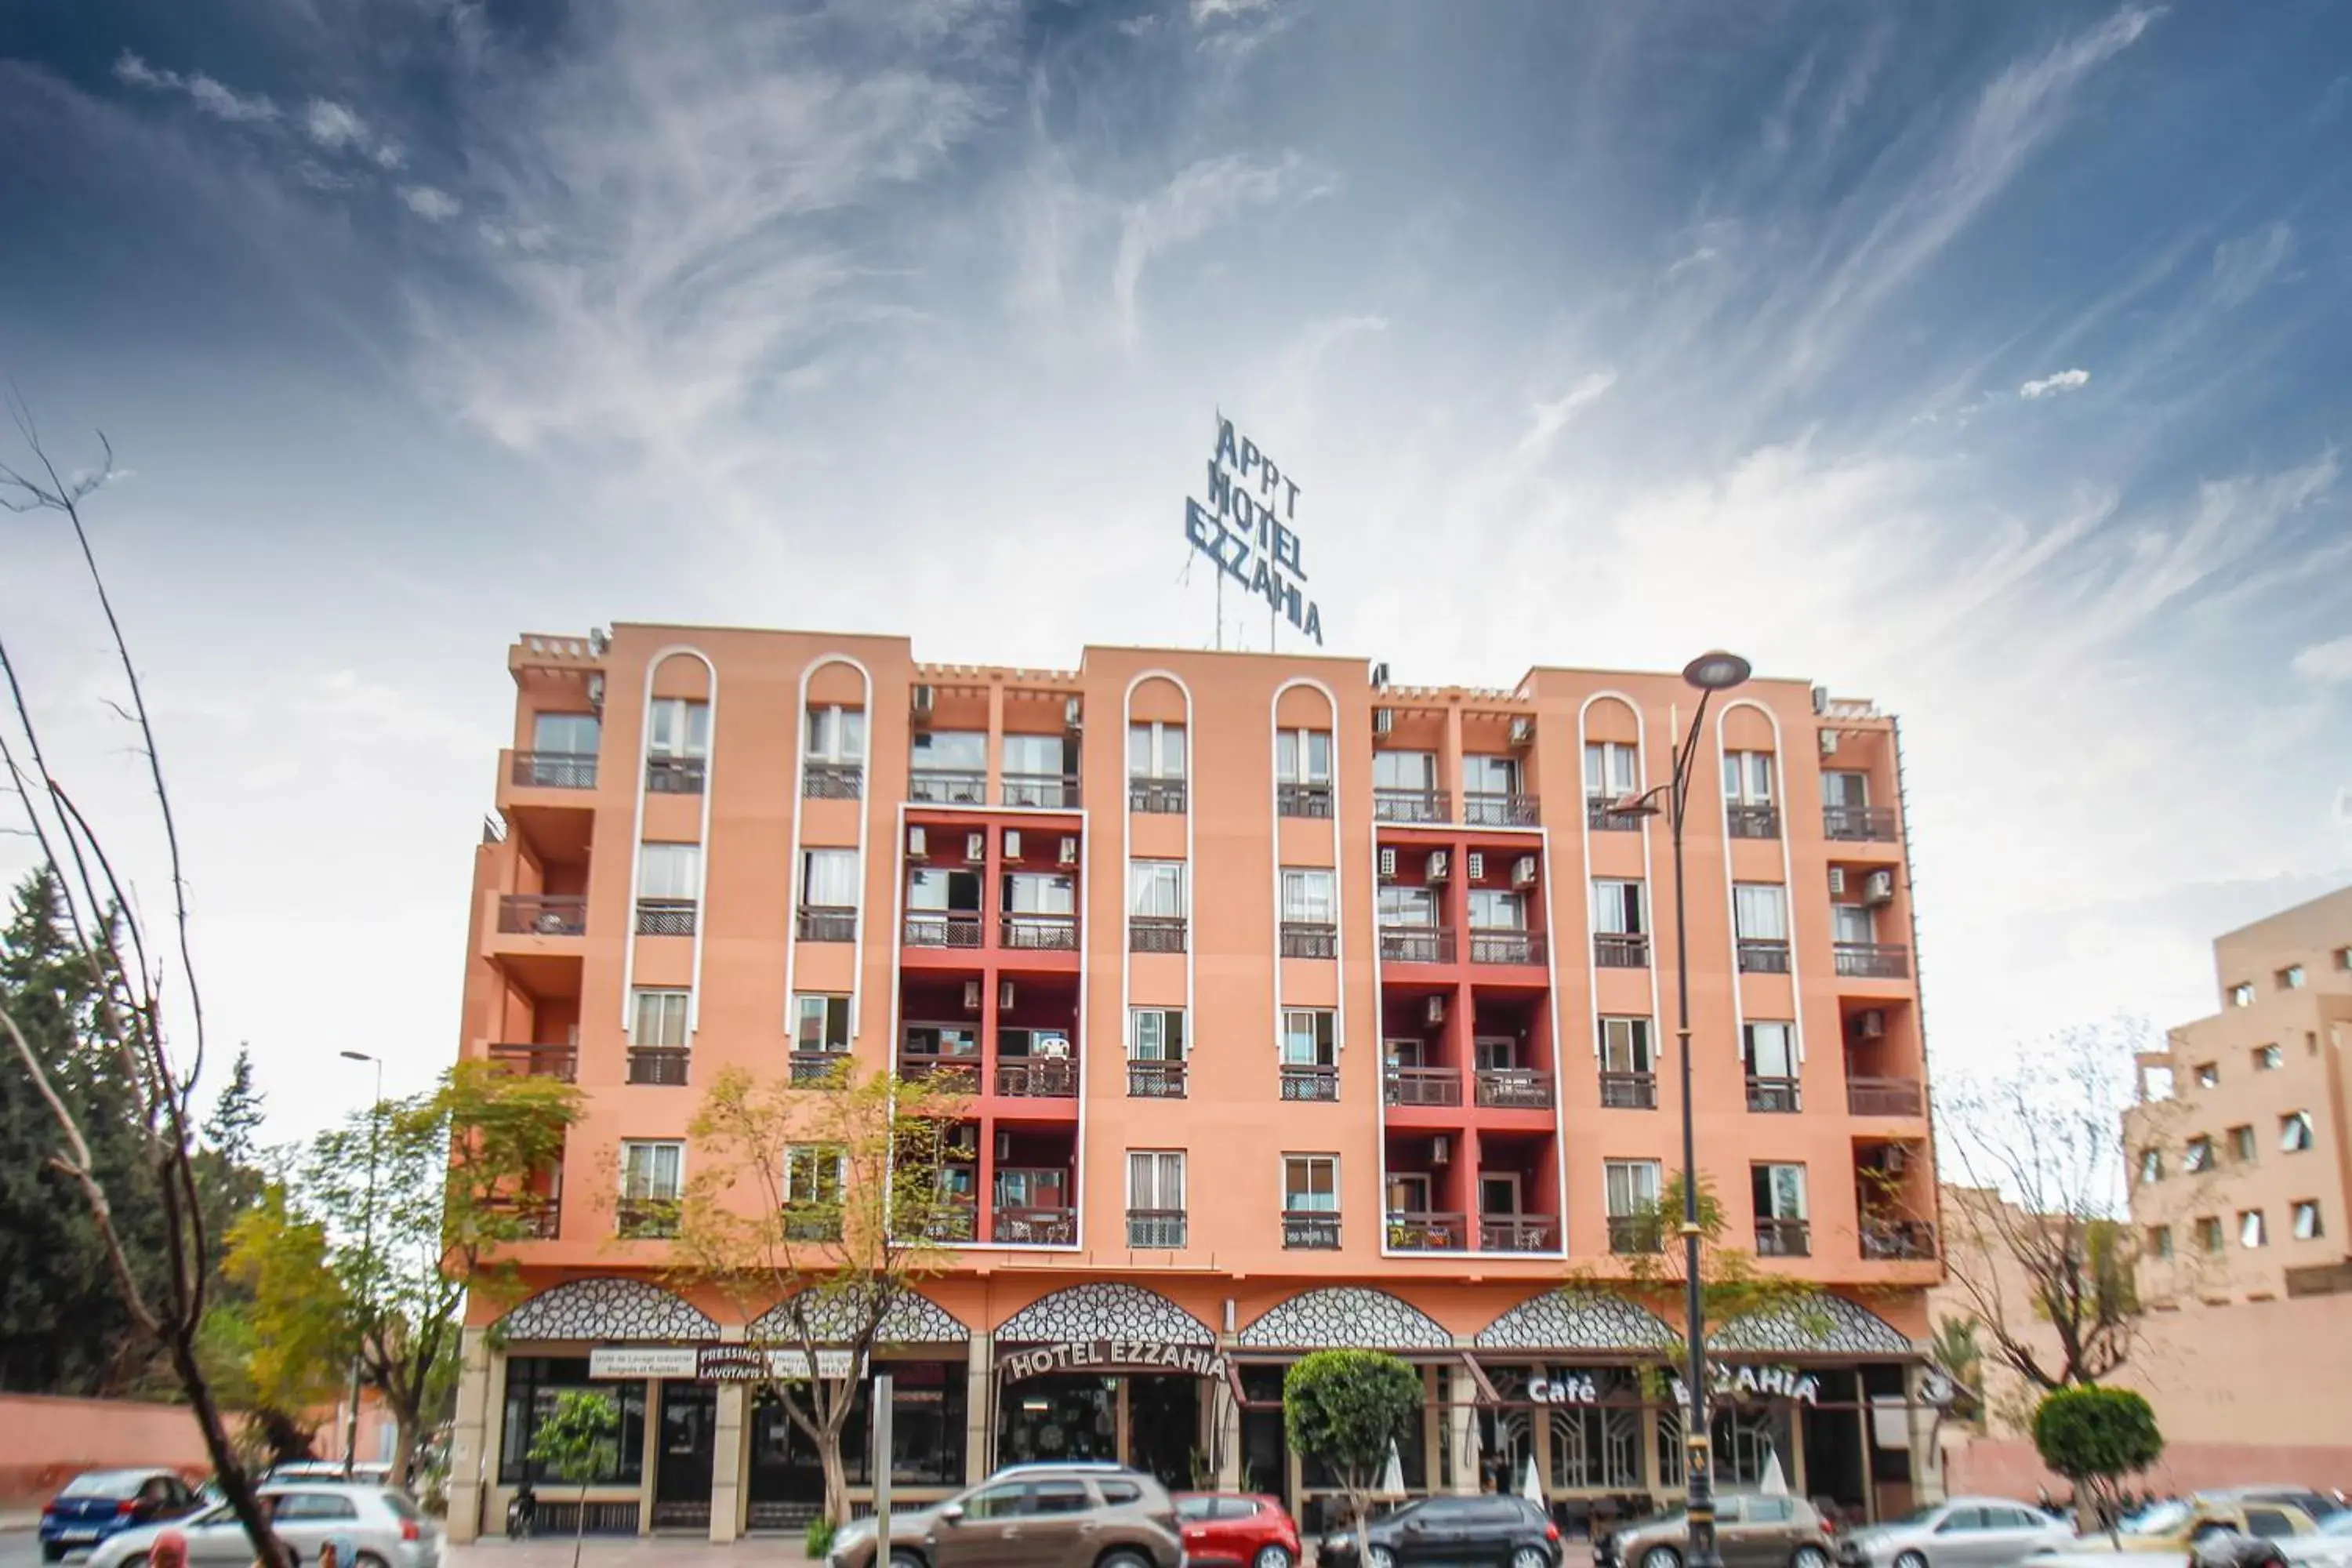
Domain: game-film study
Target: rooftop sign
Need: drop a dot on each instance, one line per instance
(1247, 528)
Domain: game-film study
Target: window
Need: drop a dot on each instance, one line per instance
(1155, 1180)
(2295, 1132)
(1747, 778)
(677, 728)
(1625, 1046)
(2268, 1058)
(658, 1017)
(1307, 896)
(2344, 958)
(1779, 1191)
(1156, 888)
(1118, 1493)
(565, 734)
(2159, 1241)
(829, 879)
(2209, 1234)
(1761, 911)
(1040, 893)
(1853, 925)
(311, 1507)
(1048, 754)
(670, 871)
(533, 1385)
(1493, 909)
(1303, 757)
(1415, 907)
(2268, 1523)
(836, 735)
(1310, 1183)
(1494, 1053)
(650, 1172)
(2208, 1074)
(1619, 909)
(813, 1172)
(1155, 750)
(1847, 790)
(2306, 1219)
(2152, 1166)
(1155, 1035)
(2242, 994)
(1771, 1049)
(1408, 771)
(950, 750)
(2251, 1233)
(1000, 1502)
(1490, 775)
(936, 890)
(2199, 1155)
(2290, 978)
(1309, 1037)
(1631, 1187)
(2242, 1145)
(820, 1023)
(1612, 769)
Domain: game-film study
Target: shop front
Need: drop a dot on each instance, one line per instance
(1151, 1406)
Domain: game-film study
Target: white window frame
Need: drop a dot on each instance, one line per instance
(1162, 1161)
(827, 1002)
(829, 865)
(1751, 1034)
(1747, 778)
(1320, 1027)
(2296, 1134)
(1509, 900)
(2307, 1223)
(1149, 881)
(673, 1004)
(1638, 1174)
(1773, 1191)
(1417, 1180)
(677, 727)
(1502, 768)
(1854, 924)
(1298, 882)
(631, 1148)
(1293, 757)
(1609, 916)
(1021, 888)
(1138, 1034)
(1519, 1193)
(1612, 770)
(1831, 789)
(1395, 899)
(1637, 1041)
(2254, 1229)
(827, 736)
(1751, 903)
(1318, 1203)
(802, 1164)
(686, 858)
(1155, 735)
(1483, 1049)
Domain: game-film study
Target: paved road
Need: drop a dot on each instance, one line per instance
(19, 1548)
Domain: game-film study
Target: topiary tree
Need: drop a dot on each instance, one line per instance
(577, 1443)
(2095, 1436)
(1348, 1408)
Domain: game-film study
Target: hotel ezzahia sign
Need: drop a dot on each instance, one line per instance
(1247, 527)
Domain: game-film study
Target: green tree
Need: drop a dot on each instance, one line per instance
(1348, 1409)
(2095, 1438)
(577, 1443)
(294, 1328)
(1648, 1257)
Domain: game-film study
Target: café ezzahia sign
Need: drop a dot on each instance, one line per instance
(717, 1363)
(1248, 526)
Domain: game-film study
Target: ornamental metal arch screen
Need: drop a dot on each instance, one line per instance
(608, 1308)
(1104, 1310)
(1817, 1324)
(1576, 1320)
(835, 1317)
(1346, 1317)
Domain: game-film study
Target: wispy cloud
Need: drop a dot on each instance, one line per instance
(1202, 197)
(2051, 386)
(2329, 663)
(337, 128)
(207, 94)
(2243, 266)
(1550, 418)
(431, 203)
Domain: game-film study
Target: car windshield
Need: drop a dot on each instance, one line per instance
(2157, 1520)
(2338, 1524)
(104, 1483)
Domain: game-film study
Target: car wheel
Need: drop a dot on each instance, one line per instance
(1911, 1560)
(1530, 1557)
(1378, 1557)
(1270, 1557)
(1662, 1557)
(368, 1559)
(906, 1557)
(1120, 1557)
(1809, 1557)
(52, 1552)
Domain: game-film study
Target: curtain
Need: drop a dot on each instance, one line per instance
(829, 879)
(1761, 911)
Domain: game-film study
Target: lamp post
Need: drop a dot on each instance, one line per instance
(1710, 673)
(367, 1253)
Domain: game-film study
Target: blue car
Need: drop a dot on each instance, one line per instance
(95, 1505)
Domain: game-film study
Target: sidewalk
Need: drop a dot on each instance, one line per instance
(625, 1552)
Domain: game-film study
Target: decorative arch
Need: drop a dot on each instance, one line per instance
(1354, 1317)
(1780, 795)
(607, 1307)
(793, 867)
(637, 834)
(911, 1319)
(1105, 1310)
(1339, 869)
(1817, 1324)
(1577, 1321)
(1584, 850)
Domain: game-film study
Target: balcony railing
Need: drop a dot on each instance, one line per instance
(1303, 799)
(951, 1073)
(658, 1064)
(1742, 821)
(674, 776)
(1310, 1230)
(1629, 1091)
(644, 1218)
(1859, 824)
(833, 780)
(1763, 955)
(1897, 1238)
(543, 914)
(1155, 1080)
(1515, 1233)
(1514, 1088)
(1039, 933)
(815, 1224)
(952, 1220)
(1785, 1095)
(826, 922)
(1599, 818)
(1053, 792)
(813, 1069)
(1885, 1097)
(1411, 805)
(1427, 1231)
(1872, 961)
(1308, 1082)
(1155, 933)
(1037, 1227)
(947, 786)
(1309, 939)
(1416, 944)
(1631, 1233)
(535, 1217)
(1620, 949)
(1784, 1239)
(537, 1061)
(554, 770)
(1050, 1077)
(666, 916)
(1507, 947)
(1422, 1086)
(951, 928)
(1165, 797)
(1155, 1227)
(1495, 808)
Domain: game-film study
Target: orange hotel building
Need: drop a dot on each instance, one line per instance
(1306, 1010)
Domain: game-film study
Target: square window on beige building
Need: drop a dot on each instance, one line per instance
(2295, 1132)
(2268, 1058)
(2151, 1165)
(2252, 1232)
(2208, 1074)
(2198, 1156)
(2159, 1241)
(2290, 978)
(2306, 1219)
(2242, 1145)
(2242, 994)
(2209, 1234)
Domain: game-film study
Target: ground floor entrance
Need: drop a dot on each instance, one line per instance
(688, 1443)
(1155, 1423)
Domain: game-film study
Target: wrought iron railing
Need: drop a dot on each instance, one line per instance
(1155, 933)
(1155, 1080)
(1885, 1097)
(1507, 947)
(1155, 1227)
(1763, 955)
(1498, 808)
(1636, 1233)
(1514, 1088)
(640, 1218)
(947, 786)
(1307, 1082)
(1038, 934)
(818, 1068)
(1901, 1239)
(658, 1064)
(666, 916)
(1310, 1230)
(1515, 1233)
(1871, 960)
(1744, 821)
(1055, 791)
(951, 1072)
(1165, 797)
(1048, 1078)
(1419, 1232)
(1859, 824)
(1303, 799)
(1784, 1095)
(1036, 1227)
(942, 930)
(1629, 1091)
(674, 776)
(1600, 818)
(1784, 1239)
(1309, 939)
(537, 1061)
(1416, 944)
(833, 780)
(1422, 1086)
(826, 922)
(1620, 949)
(554, 770)
(543, 914)
(536, 1217)
(1411, 805)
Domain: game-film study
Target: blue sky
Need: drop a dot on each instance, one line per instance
(1983, 358)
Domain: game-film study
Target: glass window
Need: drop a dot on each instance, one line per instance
(1308, 1036)
(1779, 1191)
(813, 1172)
(1053, 754)
(829, 879)
(1408, 906)
(2291, 977)
(1494, 1053)
(1747, 778)
(2208, 1234)
(1310, 1183)
(1490, 775)
(950, 750)
(1155, 1179)
(2242, 994)
(533, 1385)
(1625, 1045)
(670, 871)
(1771, 1049)
(2159, 1241)
(1856, 924)
(1040, 893)
(1845, 789)
(2268, 1058)
(2198, 1156)
(1631, 1186)
(2306, 1219)
(1619, 909)
(650, 1172)
(2208, 1074)
(1612, 769)
(1156, 1034)
(1155, 750)
(2251, 1229)
(1414, 770)
(2241, 1144)
(1156, 888)
(1308, 896)
(836, 734)
(658, 1017)
(311, 1508)
(2295, 1132)
(2268, 1524)
(1759, 912)
(2151, 1165)
(565, 734)
(820, 1023)
(1118, 1493)
(679, 728)
(933, 888)
(999, 1502)
(1303, 756)
(1493, 909)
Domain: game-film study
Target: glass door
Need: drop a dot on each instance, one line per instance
(689, 1413)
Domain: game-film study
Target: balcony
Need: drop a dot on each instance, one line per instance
(1872, 961)
(1763, 955)
(1162, 796)
(819, 1070)
(560, 1062)
(1782, 1095)
(1516, 1233)
(1599, 818)
(1037, 1227)
(1631, 1234)
(644, 1219)
(1885, 1097)
(947, 786)
(833, 780)
(943, 927)
(949, 1073)
(1507, 947)
(811, 1222)
(1897, 1240)
(1858, 823)
(1048, 1078)
(826, 922)
(528, 1217)
(951, 1221)
(1303, 800)
(1155, 1227)
(1310, 1231)
(1309, 939)
(1416, 944)
(543, 914)
(554, 770)
(674, 776)
(1422, 1086)
(1049, 791)
(1620, 949)
(658, 1065)
(1155, 1080)
(1629, 1091)
(1514, 1088)
(1155, 933)
(1308, 1082)
(1784, 1239)
(1751, 821)
(1427, 1231)
(1492, 808)
(665, 917)
(1039, 933)
(1411, 805)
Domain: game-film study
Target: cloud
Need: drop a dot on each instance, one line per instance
(2050, 385)
(2328, 663)
(206, 94)
(1207, 11)
(433, 205)
(2243, 266)
(1202, 197)
(1551, 419)
(336, 128)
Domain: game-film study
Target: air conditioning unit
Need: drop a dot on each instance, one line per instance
(1388, 865)
(925, 697)
(1074, 713)
(596, 692)
(1871, 1023)
(1441, 1149)
(975, 848)
(972, 995)
(1383, 720)
(1829, 742)
(916, 843)
(1477, 872)
(1523, 871)
(1003, 1146)
(1013, 844)
(1433, 1010)
(1837, 881)
(1069, 856)
(1438, 865)
(1879, 888)
(1895, 1161)
(1523, 733)
(1004, 994)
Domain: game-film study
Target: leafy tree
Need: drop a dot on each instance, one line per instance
(2095, 1436)
(294, 1332)
(823, 1200)
(1348, 1408)
(1956, 1354)
(578, 1442)
(1649, 1262)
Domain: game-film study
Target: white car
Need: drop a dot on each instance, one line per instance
(2330, 1547)
(1963, 1532)
(386, 1529)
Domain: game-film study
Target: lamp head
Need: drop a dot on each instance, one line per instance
(356, 1056)
(1717, 671)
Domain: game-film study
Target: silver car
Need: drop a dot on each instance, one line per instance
(1963, 1532)
(386, 1529)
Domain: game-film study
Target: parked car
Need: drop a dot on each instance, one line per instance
(1039, 1515)
(2319, 1505)
(1963, 1532)
(2174, 1527)
(100, 1504)
(1222, 1527)
(329, 1470)
(1751, 1531)
(386, 1529)
(2328, 1547)
(1509, 1531)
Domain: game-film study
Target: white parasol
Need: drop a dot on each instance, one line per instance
(1775, 1484)
(1392, 1485)
(1531, 1487)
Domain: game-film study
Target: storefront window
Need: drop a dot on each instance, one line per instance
(927, 1436)
(1747, 1439)
(1598, 1448)
(534, 1382)
(1059, 1419)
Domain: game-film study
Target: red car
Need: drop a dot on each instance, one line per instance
(1237, 1528)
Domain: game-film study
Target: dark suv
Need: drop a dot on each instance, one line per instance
(1037, 1516)
(1505, 1532)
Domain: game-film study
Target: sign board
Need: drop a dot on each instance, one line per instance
(1248, 527)
(640, 1362)
(1570, 1388)
(1110, 1356)
(715, 1363)
(1756, 1383)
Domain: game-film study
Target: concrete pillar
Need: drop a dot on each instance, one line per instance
(1226, 1413)
(1927, 1452)
(980, 1408)
(649, 1462)
(472, 1465)
(1462, 1428)
(729, 1450)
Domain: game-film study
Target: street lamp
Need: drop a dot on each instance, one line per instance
(367, 1252)
(1709, 673)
